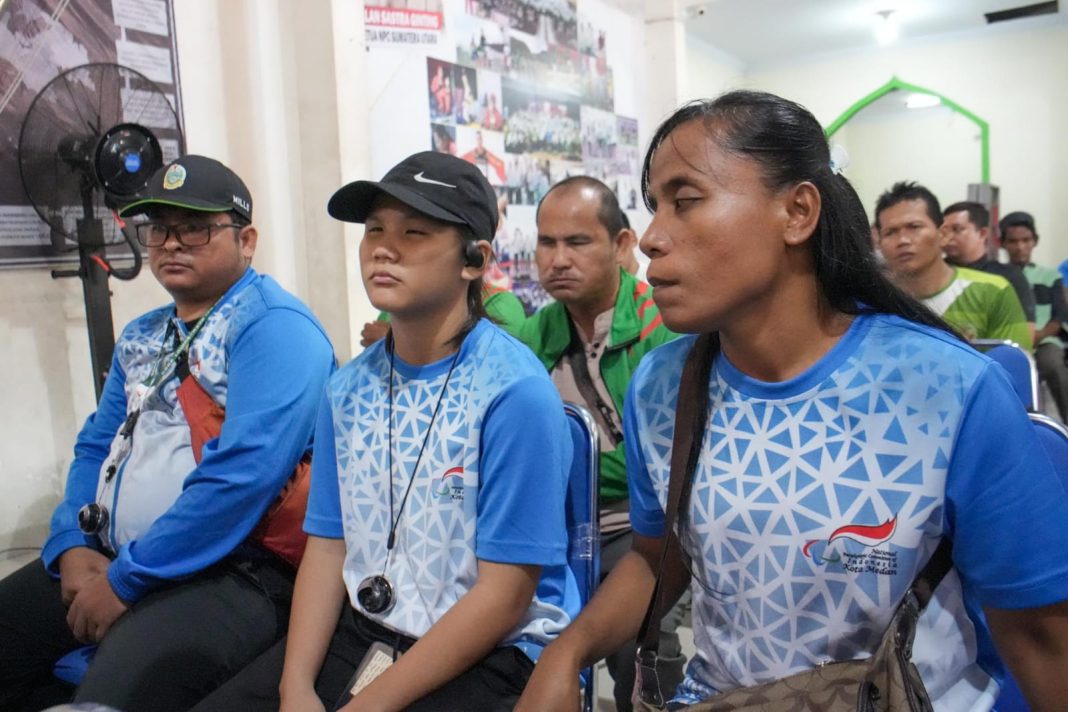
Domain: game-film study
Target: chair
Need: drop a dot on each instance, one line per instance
(71, 667)
(1054, 438)
(583, 518)
(1019, 364)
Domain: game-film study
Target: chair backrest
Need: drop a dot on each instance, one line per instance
(1018, 363)
(583, 513)
(584, 518)
(1054, 438)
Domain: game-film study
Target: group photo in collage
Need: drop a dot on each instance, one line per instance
(530, 101)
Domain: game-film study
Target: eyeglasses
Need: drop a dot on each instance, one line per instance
(154, 234)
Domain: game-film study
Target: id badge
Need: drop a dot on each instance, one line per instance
(378, 659)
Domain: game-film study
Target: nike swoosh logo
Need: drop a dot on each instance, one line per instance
(420, 179)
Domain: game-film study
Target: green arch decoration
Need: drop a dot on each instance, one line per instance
(894, 84)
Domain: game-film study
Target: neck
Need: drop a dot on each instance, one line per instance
(929, 282)
(584, 314)
(190, 310)
(425, 339)
(780, 337)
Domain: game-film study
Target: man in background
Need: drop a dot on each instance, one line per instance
(591, 340)
(979, 305)
(967, 236)
(1019, 237)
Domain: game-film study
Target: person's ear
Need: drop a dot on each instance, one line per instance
(248, 238)
(626, 242)
(471, 272)
(803, 205)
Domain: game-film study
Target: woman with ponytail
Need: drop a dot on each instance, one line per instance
(847, 433)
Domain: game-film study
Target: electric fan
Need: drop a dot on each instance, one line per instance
(85, 150)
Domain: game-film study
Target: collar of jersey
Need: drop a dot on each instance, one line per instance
(803, 382)
(430, 371)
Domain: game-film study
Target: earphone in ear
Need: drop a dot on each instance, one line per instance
(472, 254)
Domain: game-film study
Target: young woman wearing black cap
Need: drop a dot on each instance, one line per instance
(437, 507)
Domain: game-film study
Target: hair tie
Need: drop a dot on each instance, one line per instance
(839, 159)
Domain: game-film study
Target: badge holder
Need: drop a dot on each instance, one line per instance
(378, 659)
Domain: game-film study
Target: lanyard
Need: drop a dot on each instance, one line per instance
(164, 363)
(167, 361)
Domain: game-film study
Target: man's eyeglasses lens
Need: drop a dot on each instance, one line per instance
(152, 234)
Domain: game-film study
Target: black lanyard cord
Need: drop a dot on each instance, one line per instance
(441, 396)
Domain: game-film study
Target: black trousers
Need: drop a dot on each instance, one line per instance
(166, 653)
(493, 685)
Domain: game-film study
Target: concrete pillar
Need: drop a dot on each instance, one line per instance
(665, 55)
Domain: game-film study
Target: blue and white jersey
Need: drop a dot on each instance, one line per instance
(817, 501)
(491, 483)
(263, 357)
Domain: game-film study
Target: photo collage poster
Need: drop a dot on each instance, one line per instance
(530, 100)
(39, 40)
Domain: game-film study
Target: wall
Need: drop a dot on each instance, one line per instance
(887, 148)
(1016, 78)
(260, 94)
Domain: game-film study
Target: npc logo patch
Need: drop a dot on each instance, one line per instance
(854, 547)
(174, 177)
(451, 485)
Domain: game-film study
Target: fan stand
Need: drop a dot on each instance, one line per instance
(95, 290)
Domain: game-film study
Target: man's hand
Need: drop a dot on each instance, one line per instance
(372, 332)
(94, 610)
(76, 567)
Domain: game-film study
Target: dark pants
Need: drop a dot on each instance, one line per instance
(671, 663)
(167, 652)
(493, 685)
(1049, 362)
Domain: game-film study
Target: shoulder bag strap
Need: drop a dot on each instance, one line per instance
(691, 417)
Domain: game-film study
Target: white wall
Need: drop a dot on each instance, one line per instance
(261, 94)
(1015, 79)
(900, 146)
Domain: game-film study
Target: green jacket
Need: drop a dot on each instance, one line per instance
(636, 330)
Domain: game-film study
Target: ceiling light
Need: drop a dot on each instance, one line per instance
(922, 101)
(886, 27)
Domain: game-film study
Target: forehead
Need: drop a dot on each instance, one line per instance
(906, 211)
(960, 217)
(693, 154)
(575, 205)
(1019, 232)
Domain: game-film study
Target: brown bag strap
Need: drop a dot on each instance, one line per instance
(691, 418)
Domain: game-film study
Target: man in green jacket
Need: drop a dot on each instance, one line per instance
(590, 340)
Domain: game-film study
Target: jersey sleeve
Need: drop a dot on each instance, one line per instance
(525, 459)
(90, 451)
(646, 512)
(1006, 508)
(323, 518)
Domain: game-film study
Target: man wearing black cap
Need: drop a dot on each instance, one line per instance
(1019, 237)
(436, 514)
(171, 548)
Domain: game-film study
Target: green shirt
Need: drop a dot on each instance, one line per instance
(981, 305)
(1049, 298)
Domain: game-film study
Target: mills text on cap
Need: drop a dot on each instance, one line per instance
(195, 183)
(438, 185)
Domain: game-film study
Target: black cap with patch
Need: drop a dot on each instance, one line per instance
(195, 183)
(438, 185)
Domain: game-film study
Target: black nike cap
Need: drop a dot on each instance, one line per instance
(438, 185)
